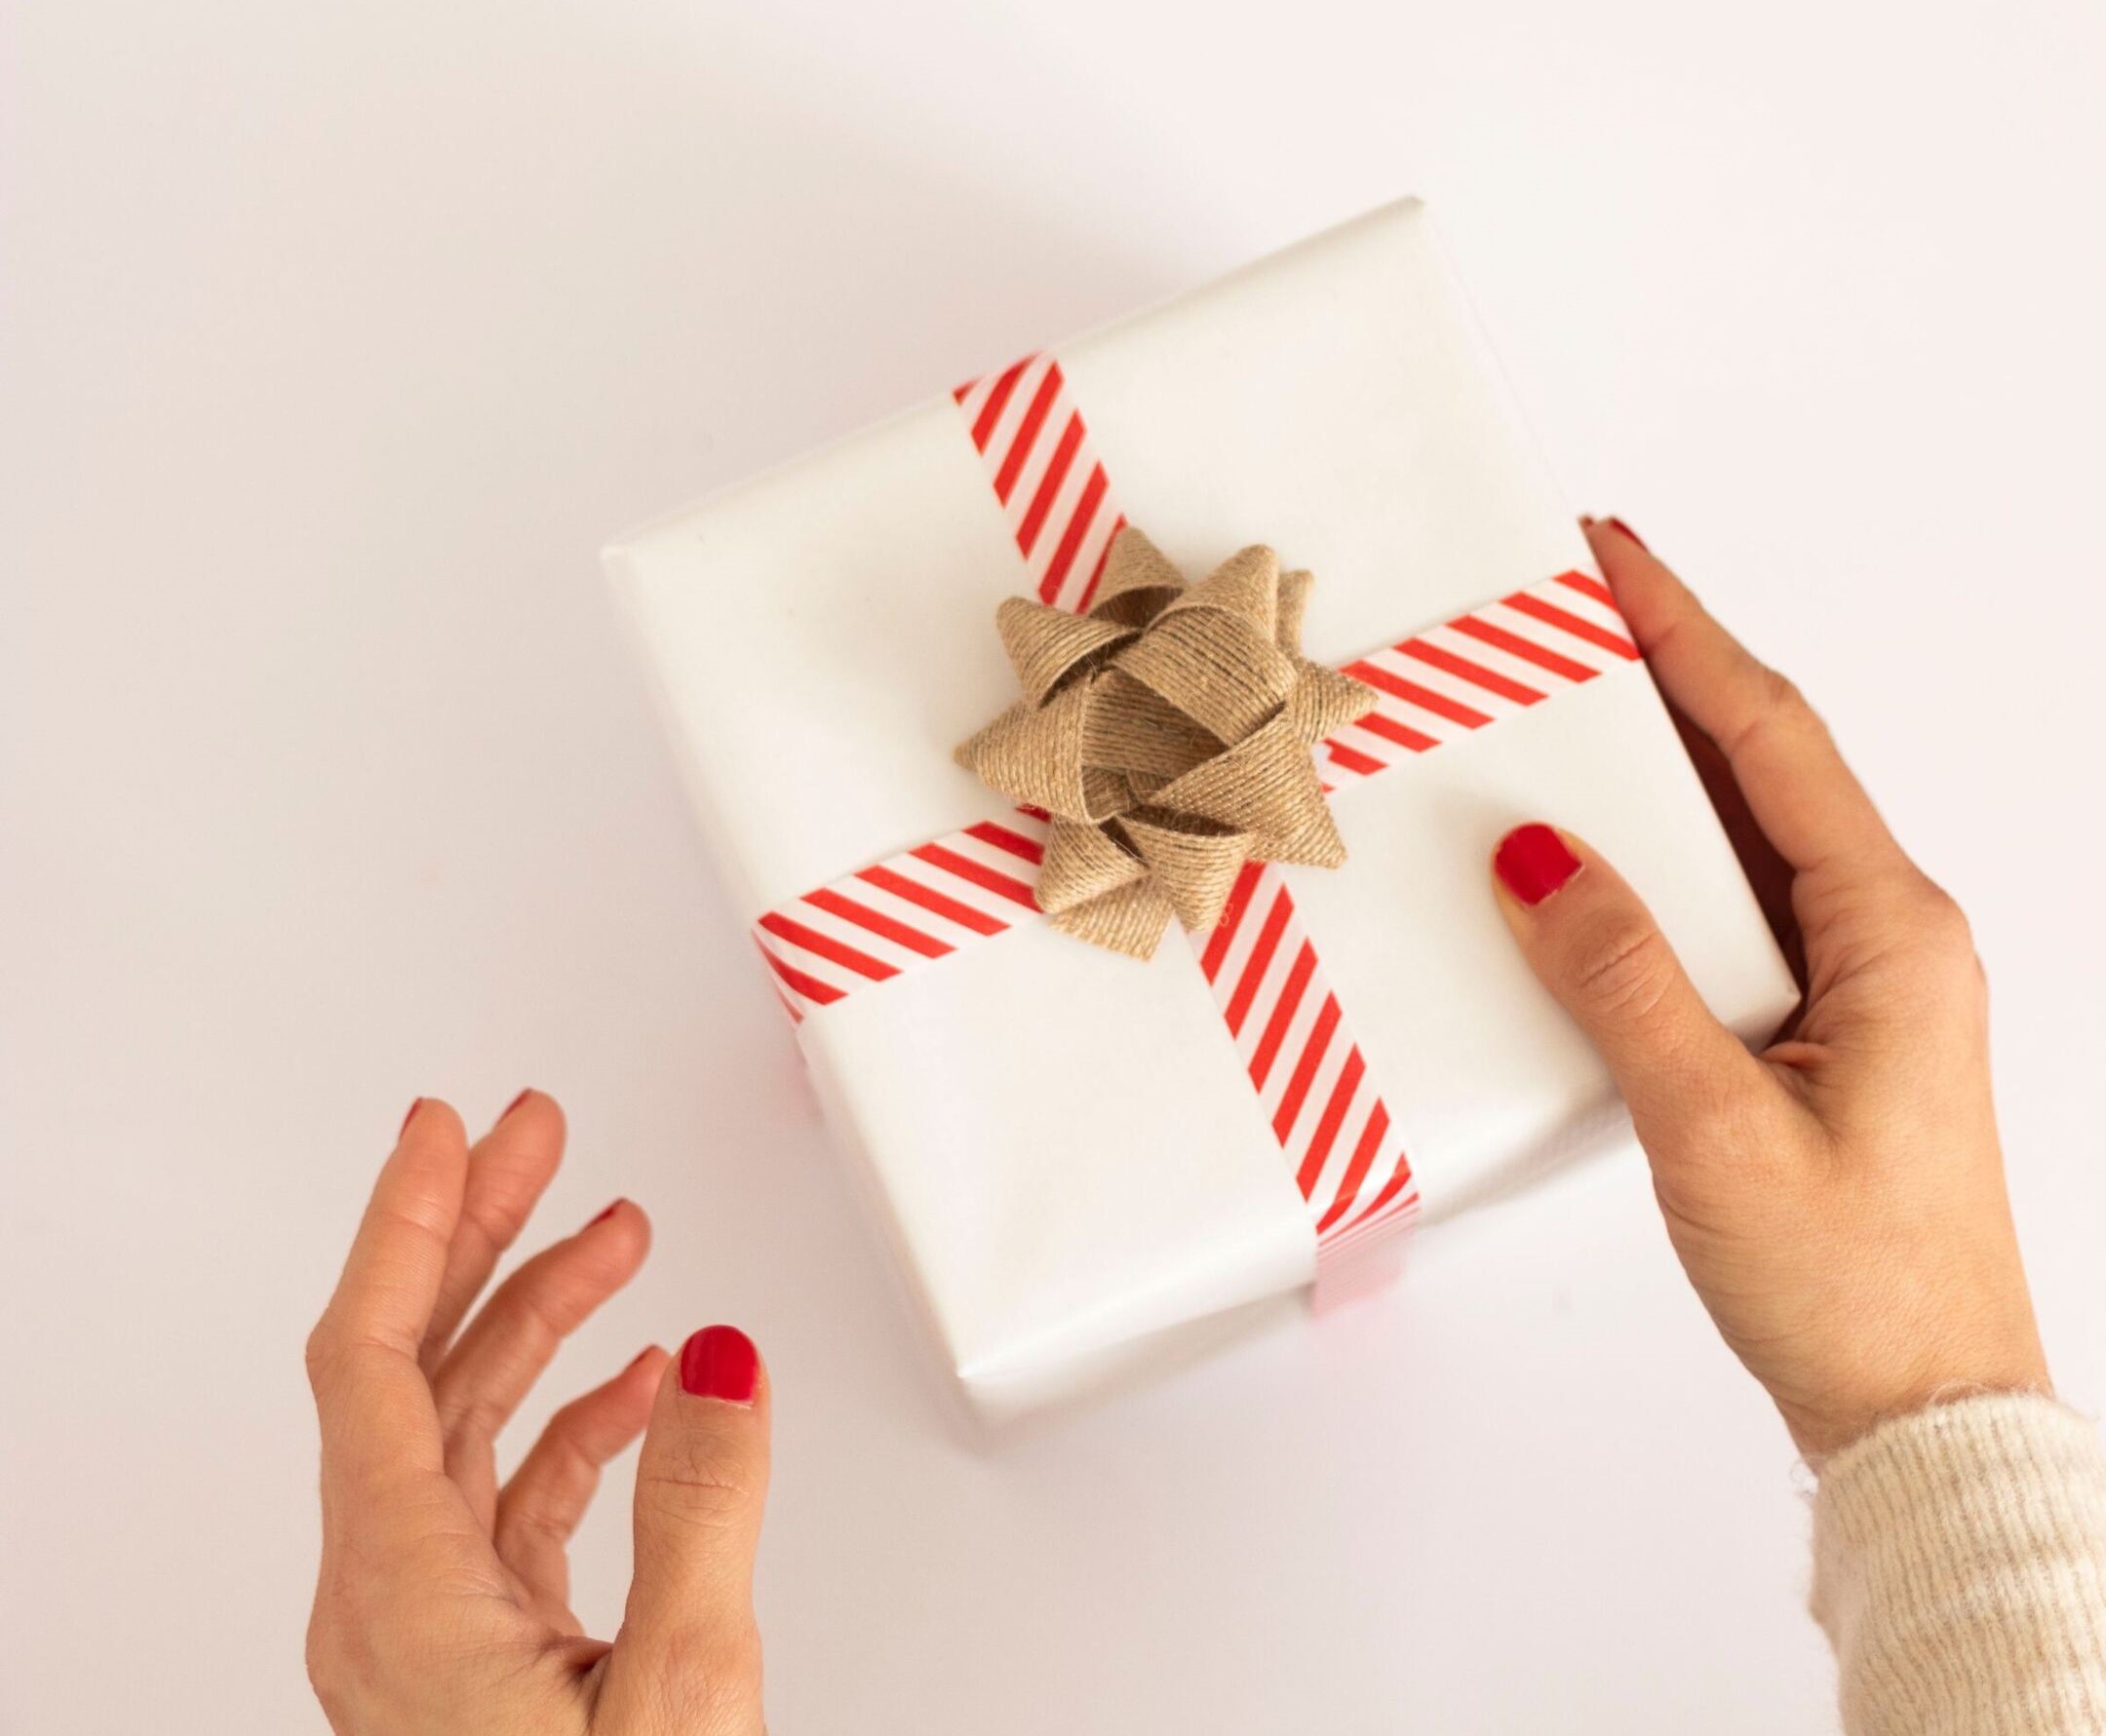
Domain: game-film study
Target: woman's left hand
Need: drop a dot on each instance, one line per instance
(442, 1608)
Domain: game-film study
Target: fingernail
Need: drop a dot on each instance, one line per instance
(1628, 531)
(415, 1104)
(1532, 862)
(602, 1216)
(636, 1360)
(516, 1102)
(720, 1362)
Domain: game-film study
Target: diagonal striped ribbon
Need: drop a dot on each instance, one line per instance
(1310, 1072)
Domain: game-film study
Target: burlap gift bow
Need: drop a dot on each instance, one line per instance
(1167, 733)
(840, 943)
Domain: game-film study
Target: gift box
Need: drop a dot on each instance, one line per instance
(1085, 1161)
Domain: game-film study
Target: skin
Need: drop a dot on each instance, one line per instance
(1837, 1201)
(443, 1604)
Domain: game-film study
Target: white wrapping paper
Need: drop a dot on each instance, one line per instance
(821, 637)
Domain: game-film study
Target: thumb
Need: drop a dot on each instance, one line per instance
(688, 1637)
(1595, 946)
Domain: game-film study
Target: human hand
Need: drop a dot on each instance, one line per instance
(1838, 1200)
(443, 1604)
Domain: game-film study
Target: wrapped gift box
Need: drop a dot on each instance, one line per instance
(1085, 1162)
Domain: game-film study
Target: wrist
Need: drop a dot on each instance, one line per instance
(1820, 1432)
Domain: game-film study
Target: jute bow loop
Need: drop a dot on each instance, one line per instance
(1167, 733)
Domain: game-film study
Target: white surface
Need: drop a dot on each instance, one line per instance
(821, 639)
(336, 339)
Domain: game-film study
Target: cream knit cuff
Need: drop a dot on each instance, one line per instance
(1959, 1571)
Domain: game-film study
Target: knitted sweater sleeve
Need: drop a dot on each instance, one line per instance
(1959, 1571)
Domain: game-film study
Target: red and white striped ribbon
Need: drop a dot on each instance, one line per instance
(1051, 487)
(1310, 1072)
(908, 910)
(1311, 1076)
(1451, 680)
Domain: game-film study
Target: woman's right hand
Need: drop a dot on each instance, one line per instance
(1837, 1200)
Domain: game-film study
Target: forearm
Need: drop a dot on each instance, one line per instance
(1959, 1571)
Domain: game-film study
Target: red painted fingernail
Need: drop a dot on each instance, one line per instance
(1629, 532)
(1534, 861)
(414, 1107)
(602, 1216)
(720, 1362)
(516, 1102)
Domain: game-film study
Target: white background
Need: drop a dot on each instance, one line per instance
(337, 338)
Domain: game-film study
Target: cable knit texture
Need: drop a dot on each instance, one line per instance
(1959, 1571)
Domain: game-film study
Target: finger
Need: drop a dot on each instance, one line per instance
(1595, 946)
(374, 1403)
(540, 1507)
(507, 1170)
(515, 1334)
(1804, 798)
(1768, 873)
(701, 1483)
